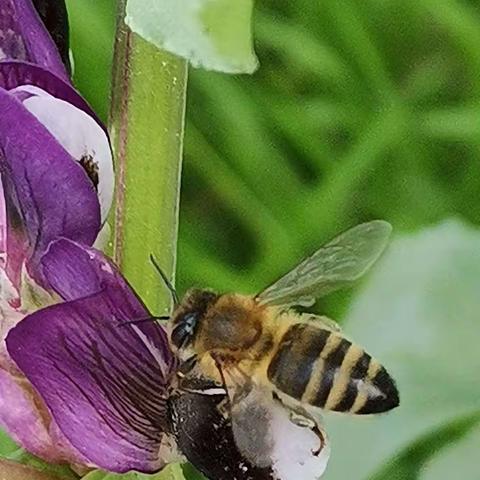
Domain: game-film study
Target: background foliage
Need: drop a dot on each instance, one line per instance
(361, 109)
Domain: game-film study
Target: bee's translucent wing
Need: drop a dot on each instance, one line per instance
(335, 265)
(322, 321)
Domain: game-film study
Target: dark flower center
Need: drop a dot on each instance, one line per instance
(91, 167)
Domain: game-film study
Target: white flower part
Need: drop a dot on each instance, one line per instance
(155, 352)
(80, 135)
(292, 454)
(8, 292)
(32, 90)
(9, 316)
(103, 237)
(34, 296)
(267, 437)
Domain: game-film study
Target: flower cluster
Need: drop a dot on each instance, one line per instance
(56, 182)
(80, 381)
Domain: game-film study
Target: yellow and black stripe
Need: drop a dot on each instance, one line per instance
(324, 369)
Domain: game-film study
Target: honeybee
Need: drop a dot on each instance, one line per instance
(262, 351)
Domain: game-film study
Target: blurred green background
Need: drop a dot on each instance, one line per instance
(360, 110)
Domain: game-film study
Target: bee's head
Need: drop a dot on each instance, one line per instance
(189, 314)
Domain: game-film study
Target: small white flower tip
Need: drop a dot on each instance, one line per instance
(268, 437)
(81, 136)
(298, 452)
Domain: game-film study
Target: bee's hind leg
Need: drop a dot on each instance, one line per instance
(301, 420)
(300, 417)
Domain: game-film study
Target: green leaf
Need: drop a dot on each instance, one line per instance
(24, 458)
(410, 462)
(456, 458)
(9, 450)
(213, 34)
(7, 445)
(92, 25)
(172, 472)
(17, 471)
(418, 314)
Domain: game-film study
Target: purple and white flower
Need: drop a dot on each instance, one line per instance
(54, 152)
(104, 381)
(56, 181)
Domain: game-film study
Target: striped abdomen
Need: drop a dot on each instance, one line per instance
(322, 368)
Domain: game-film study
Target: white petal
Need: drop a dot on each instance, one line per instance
(103, 238)
(292, 455)
(8, 292)
(9, 316)
(79, 134)
(31, 90)
(266, 436)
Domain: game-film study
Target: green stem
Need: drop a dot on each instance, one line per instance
(146, 127)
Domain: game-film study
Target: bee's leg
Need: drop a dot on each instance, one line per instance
(240, 383)
(301, 418)
(218, 364)
(186, 366)
(321, 437)
(190, 383)
(209, 388)
(225, 406)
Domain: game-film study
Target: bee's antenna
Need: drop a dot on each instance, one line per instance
(165, 280)
(150, 318)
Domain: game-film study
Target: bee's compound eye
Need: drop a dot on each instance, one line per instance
(183, 333)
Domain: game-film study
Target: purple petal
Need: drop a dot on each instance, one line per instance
(74, 271)
(15, 73)
(47, 194)
(68, 117)
(24, 37)
(101, 381)
(24, 416)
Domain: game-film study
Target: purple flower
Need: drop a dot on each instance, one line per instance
(45, 127)
(103, 381)
(24, 37)
(56, 181)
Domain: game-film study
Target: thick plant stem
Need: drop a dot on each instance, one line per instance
(146, 128)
